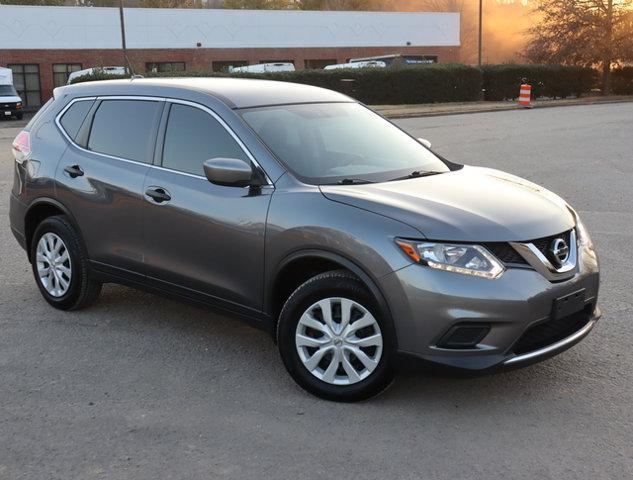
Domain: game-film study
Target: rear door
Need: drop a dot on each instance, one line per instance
(100, 177)
(199, 237)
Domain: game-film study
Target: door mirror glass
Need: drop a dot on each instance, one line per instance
(229, 172)
(424, 142)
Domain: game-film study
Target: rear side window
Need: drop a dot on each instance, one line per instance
(124, 128)
(192, 137)
(73, 117)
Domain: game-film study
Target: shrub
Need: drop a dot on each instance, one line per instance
(432, 83)
(502, 82)
(397, 85)
(622, 81)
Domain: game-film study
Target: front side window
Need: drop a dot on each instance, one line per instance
(73, 117)
(192, 137)
(330, 142)
(124, 128)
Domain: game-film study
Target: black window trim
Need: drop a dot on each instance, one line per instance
(159, 130)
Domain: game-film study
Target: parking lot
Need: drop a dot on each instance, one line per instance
(143, 387)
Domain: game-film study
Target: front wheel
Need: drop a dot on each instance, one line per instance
(334, 339)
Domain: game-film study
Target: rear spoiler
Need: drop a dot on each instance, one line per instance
(58, 92)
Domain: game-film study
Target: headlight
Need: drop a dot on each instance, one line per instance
(466, 259)
(583, 235)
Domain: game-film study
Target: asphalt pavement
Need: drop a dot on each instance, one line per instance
(141, 387)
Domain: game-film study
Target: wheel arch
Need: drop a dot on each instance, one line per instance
(321, 261)
(41, 209)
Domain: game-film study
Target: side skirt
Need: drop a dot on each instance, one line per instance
(108, 274)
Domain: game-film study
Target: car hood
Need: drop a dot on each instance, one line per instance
(9, 99)
(472, 204)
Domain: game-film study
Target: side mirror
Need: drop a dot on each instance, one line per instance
(229, 172)
(424, 142)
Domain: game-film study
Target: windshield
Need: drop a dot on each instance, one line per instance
(8, 90)
(338, 142)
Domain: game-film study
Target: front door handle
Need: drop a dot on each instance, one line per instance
(74, 171)
(158, 194)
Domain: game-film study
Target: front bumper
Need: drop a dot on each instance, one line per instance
(426, 303)
(10, 110)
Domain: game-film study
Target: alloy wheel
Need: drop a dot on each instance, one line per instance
(53, 264)
(339, 341)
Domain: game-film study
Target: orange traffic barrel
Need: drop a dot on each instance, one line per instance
(525, 95)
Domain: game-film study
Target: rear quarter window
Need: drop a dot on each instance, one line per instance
(73, 118)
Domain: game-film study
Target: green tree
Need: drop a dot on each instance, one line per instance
(32, 2)
(357, 5)
(583, 32)
(259, 4)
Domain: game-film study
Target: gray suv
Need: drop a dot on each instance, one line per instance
(305, 213)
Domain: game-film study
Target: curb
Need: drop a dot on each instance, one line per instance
(484, 109)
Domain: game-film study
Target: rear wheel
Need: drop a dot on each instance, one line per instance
(334, 340)
(60, 265)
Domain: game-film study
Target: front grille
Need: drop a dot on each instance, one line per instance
(551, 331)
(508, 255)
(505, 253)
(544, 244)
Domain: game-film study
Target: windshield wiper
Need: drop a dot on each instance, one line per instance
(353, 181)
(415, 174)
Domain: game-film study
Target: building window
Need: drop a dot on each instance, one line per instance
(159, 67)
(318, 63)
(26, 80)
(61, 72)
(277, 61)
(225, 65)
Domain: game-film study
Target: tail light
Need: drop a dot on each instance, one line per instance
(22, 147)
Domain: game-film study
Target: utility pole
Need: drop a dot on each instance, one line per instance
(128, 66)
(481, 23)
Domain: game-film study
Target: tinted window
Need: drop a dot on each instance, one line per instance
(329, 142)
(124, 128)
(74, 117)
(194, 136)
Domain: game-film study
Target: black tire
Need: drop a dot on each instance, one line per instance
(82, 290)
(19, 116)
(336, 283)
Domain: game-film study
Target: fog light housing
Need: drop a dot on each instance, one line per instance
(464, 335)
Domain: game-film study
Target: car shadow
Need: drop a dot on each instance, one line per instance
(246, 353)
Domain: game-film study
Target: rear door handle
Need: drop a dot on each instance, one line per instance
(74, 171)
(158, 194)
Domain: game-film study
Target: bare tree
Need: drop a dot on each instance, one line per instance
(468, 28)
(583, 32)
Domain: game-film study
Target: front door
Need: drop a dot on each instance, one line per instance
(203, 239)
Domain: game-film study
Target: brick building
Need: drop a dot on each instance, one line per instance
(44, 44)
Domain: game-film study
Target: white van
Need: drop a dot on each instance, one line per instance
(90, 71)
(368, 64)
(265, 67)
(10, 102)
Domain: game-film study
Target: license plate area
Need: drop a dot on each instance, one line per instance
(569, 304)
(7, 113)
